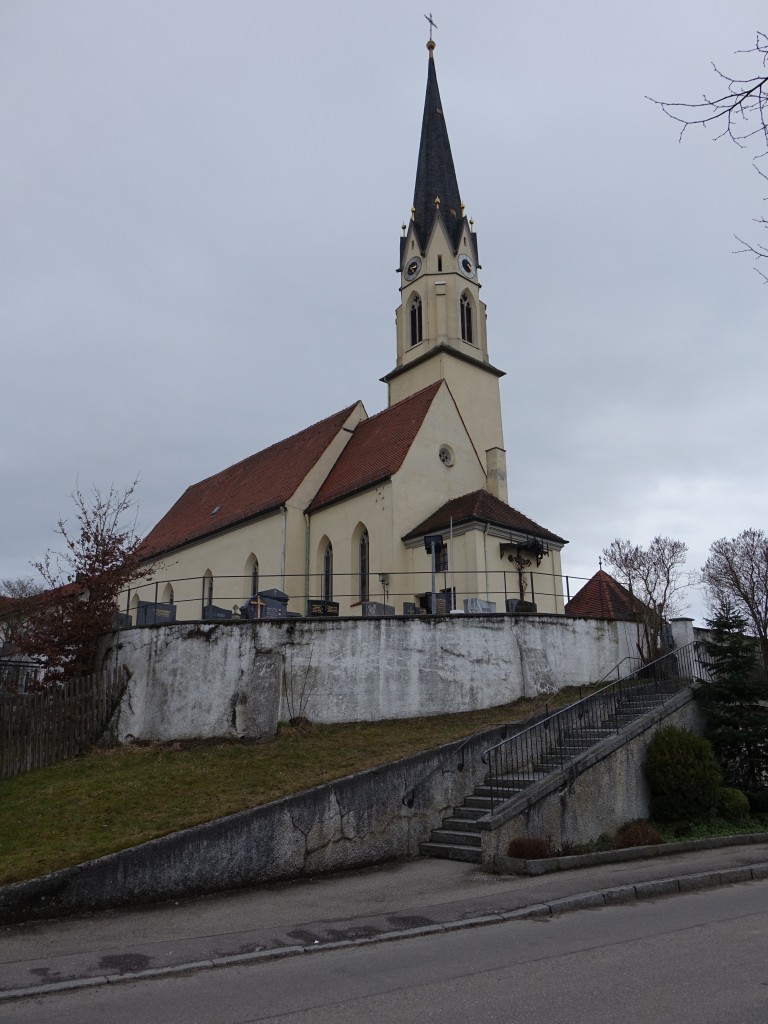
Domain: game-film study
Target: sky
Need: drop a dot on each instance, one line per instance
(201, 204)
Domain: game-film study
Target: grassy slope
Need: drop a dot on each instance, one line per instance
(108, 800)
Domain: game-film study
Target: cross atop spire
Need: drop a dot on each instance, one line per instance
(431, 25)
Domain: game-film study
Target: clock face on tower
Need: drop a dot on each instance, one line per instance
(466, 266)
(412, 268)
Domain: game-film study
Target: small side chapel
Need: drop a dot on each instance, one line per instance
(339, 512)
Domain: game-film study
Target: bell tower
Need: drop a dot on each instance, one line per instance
(441, 320)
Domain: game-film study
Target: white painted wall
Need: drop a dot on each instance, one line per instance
(230, 679)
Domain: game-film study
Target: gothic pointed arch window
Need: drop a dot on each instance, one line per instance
(363, 566)
(207, 589)
(251, 575)
(167, 595)
(467, 332)
(327, 588)
(416, 320)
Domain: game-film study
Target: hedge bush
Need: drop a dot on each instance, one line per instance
(683, 775)
(636, 833)
(530, 848)
(732, 804)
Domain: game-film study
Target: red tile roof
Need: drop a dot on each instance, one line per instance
(486, 508)
(377, 448)
(259, 483)
(603, 597)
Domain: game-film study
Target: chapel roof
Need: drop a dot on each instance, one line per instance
(435, 173)
(377, 449)
(262, 482)
(486, 508)
(603, 597)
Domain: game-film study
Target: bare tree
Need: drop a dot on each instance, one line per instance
(15, 591)
(63, 624)
(736, 578)
(656, 578)
(737, 110)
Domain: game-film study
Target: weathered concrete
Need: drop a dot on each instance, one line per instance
(609, 789)
(221, 679)
(548, 865)
(352, 822)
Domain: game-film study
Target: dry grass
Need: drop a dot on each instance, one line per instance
(108, 800)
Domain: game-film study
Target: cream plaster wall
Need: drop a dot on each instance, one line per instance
(225, 555)
(339, 523)
(440, 292)
(475, 390)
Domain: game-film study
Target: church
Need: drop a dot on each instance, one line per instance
(405, 511)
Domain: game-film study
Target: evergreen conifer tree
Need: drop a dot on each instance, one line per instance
(736, 702)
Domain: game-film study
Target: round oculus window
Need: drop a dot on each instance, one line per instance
(445, 454)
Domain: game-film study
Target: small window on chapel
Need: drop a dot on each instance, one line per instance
(439, 264)
(466, 319)
(416, 320)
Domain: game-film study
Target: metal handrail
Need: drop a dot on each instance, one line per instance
(410, 795)
(545, 746)
(408, 798)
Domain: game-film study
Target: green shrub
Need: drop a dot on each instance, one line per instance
(530, 848)
(732, 804)
(683, 775)
(636, 833)
(758, 801)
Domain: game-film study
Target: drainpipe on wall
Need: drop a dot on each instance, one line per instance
(485, 557)
(284, 511)
(306, 564)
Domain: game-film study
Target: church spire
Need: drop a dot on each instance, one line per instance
(435, 174)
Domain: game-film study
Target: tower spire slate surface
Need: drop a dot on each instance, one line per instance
(435, 173)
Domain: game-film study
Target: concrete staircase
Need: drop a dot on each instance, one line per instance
(459, 838)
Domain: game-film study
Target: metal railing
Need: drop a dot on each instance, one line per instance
(191, 595)
(553, 744)
(538, 714)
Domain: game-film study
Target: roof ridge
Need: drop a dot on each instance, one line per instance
(375, 453)
(276, 444)
(416, 394)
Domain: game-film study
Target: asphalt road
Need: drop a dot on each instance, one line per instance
(701, 958)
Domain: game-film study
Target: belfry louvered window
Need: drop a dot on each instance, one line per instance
(416, 321)
(466, 319)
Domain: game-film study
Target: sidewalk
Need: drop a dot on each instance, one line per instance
(368, 905)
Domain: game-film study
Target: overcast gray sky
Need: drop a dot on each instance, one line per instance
(200, 205)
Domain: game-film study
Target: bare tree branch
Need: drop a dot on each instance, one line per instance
(740, 114)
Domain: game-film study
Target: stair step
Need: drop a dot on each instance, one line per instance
(501, 790)
(445, 835)
(445, 850)
(478, 801)
(468, 813)
(460, 824)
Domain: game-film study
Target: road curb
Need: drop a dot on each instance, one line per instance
(613, 896)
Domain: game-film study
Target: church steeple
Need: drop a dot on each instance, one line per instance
(441, 322)
(435, 173)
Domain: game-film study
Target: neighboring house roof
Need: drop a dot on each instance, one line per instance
(603, 597)
(484, 507)
(377, 448)
(261, 482)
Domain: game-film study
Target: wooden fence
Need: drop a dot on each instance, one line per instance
(55, 723)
